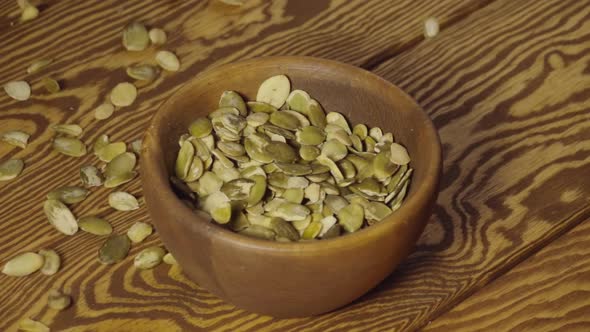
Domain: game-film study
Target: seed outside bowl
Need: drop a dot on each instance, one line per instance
(302, 278)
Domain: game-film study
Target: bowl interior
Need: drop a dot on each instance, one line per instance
(360, 95)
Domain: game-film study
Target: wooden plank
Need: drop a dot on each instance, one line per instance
(547, 292)
(83, 38)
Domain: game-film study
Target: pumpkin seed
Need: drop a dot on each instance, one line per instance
(72, 130)
(399, 154)
(339, 120)
(351, 217)
(259, 232)
(16, 138)
(123, 201)
(382, 165)
(280, 152)
(169, 259)
(19, 90)
(58, 300)
(51, 262)
(51, 85)
(231, 148)
(95, 225)
(104, 111)
(284, 229)
(298, 100)
(294, 195)
(431, 27)
(219, 207)
(233, 99)
(258, 190)
(290, 211)
(257, 119)
(238, 189)
(327, 223)
(142, 72)
(274, 91)
(334, 150)
(120, 170)
(370, 144)
(69, 194)
(195, 171)
(135, 146)
(60, 216)
(109, 151)
(260, 107)
(316, 114)
(157, 36)
(135, 37)
(361, 131)
(357, 143)
(376, 211)
(38, 65)
(10, 169)
(90, 176)
(168, 61)
(284, 120)
(114, 249)
(184, 159)
(333, 232)
(28, 324)
(310, 135)
(149, 258)
(101, 141)
(396, 203)
(123, 94)
(139, 231)
(200, 127)
(312, 231)
(209, 183)
(72, 147)
(23, 264)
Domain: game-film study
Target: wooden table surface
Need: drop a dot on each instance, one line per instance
(507, 83)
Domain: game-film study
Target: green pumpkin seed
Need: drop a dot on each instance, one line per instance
(284, 120)
(208, 184)
(135, 37)
(16, 137)
(370, 144)
(310, 135)
(109, 151)
(18, 90)
(335, 202)
(351, 217)
(316, 114)
(219, 207)
(312, 231)
(60, 216)
(184, 159)
(294, 195)
(274, 91)
(334, 170)
(272, 129)
(114, 249)
(57, 300)
(169, 259)
(23, 264)
(361, 131)
(376, 133)
(69, 194)
(357, 143)
(290, 211)
(284, 229)
(149, 258)
(238, 189)
(294, 169)
(157, 36)
(142, 72)
(258, 232)
(223, 111)
(69, 146)
(117, 180)
(201, 127)
(120, 170)
(123, 94)
(139, 231)
(376, 211)
(340, 136)
(168, 60)
(104, 111)
(298, 100)
(10, 169)
(122, 201)
(396, 203)
(51, 85)
(260, 107)
(101, 141)
(38, 65)
(258, 190)
(231, 149)
(233, 99)
(334, 150)
(195, 170)
(333, 232)
(28, 324)
(309, 153)
(399, 154)
(95, 225)
(382, 166)
(257, 119)
(280, 152)
(91, 176)
(339, 120)
(51, 262)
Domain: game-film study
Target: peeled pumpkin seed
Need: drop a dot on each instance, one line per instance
(51, 85)
(157, 36)
(274, 90)
(334, 150)
(238, 189)
(114, 249)
(377, 211)
(123, 201)
(95, 225)
(316, 114)
(231, 148)
(284, 120)
(169, 259)
(51, 262)
(139, 231)
(351, 217)
(310, 135)
(142, 72)
(280, 152)
(123, 94)
(58, 300)
(91, 176)
(399, 154)
(284, 229)
(257, 119)
(184, 159)
(104, 111)
(60, 216)
(168, 61)
(219, 207)
(298, 100)
(339, 120)
(370, 144)
(23, 264)
(38, 65)
(72, 147)
(72, 130)
(10, 169)
(120, 170)
(259, 232)
(135, 37)
(19, 90)
(135, 146)
(261, 107)
(290, 211)
(69, 194)
(312, 230)
(15, 137)
(309, 153)
(333, 232)
(327, 223)
(101, 141)
(200, 127)
(294, 169)
(396, 203)
(30, 325)
(149, 258)
(361, 131)
(233, 99)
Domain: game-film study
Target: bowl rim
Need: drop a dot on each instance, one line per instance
(152, 171)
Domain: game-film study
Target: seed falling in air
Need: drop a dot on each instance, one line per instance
(29, 12)
(135, 37)
(157, 36)
(19, 90)
(431, 27)
(51, 85)
(38, 65)
(104, 111)
(10, 169)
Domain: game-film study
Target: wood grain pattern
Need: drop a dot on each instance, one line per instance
(507, 86)
(84, 39)
(547, 292)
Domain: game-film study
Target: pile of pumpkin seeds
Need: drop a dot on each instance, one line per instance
(280, 168)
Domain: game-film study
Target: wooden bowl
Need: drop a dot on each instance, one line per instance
(291, 279)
